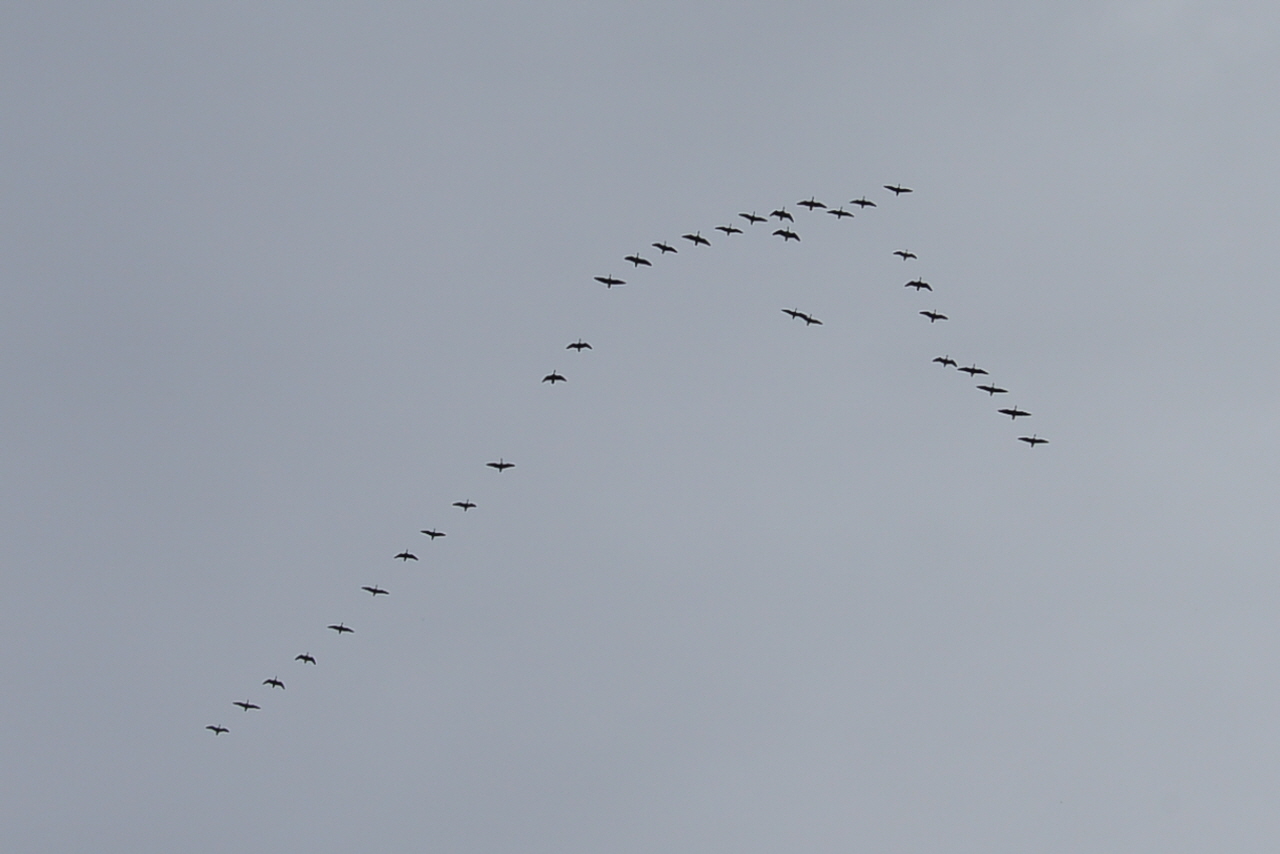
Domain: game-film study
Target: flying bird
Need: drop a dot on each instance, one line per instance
(781, 214)
(274, 683)
(579, 345)
(946, 361)
(811, 203)
(729, 229)
(897, 190)
(432, 534)
(863, 202)
(664, 248)
(810, 320)
(1013, 413)
(934, 316)
(554, 378)
(839, 213)
(217, 730)
(993, 390)
(246, 705)
(375, 591)
(609, 281)
(752, 218)
(1032, 440)
(973, 371)
(305, 658)
(786, 234)
(904, 254)
(500, 465)
(696, 238)
(919, 285)
(341, 628)
(406, 556)
(465, 505)
(638, 261)
(795, 315)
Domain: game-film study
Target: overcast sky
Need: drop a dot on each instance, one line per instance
(280, 278)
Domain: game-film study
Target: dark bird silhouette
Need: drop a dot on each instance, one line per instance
(811, 203)
(810, 320)
(897, 190)
(1015, 413)
(1033, 440)
(217, 730)
(341, 628)
(246, 705)
(579, 345)
(795, 315)
(609, 281)
(904, 254)
(638, 261)
(919, 285)
(934, 316)
(786, 234)
(863, 202)
(554, 378)
(407, 556)
(465, 505)
(501, 465)
(305, 658)
(696, 238)
(752, 218)
(973, 370)
(781, 214)
(664, 248)
(432, 534)
(729, 229)
(993, 389)
(375, 591)
(946, 361)
(274, 683)
(839, 213)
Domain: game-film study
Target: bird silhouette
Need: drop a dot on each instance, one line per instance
(274, 683)
(919, 285)
(432, 534)
(863, 202)
(993, 390)
(696, 238)
(664, 248)
(729, 229)
(406, 556)
(375, 591)
(973, 371)
(501, 465)
(946, 361)
(781, 214)
(752, 218)
(246, 705)
(217, 730)
(465, 505)
(554, 378)
(638, 261)
(904, 254)
(305, 658)
(934, 316)
(1032, 440)
(579, 345)
(341, 628)
(795, 315)
(839, 213)
(786, 234)
(811, 203)
(1014, 413)
(897, 190)
(609, 281)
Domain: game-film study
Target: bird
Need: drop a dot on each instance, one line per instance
(432, 533)
(946, 361)
(729, 229)
(786, 234)
(904, 254)
(407, 556)
(863, 202)
(500, 465)
(341, 628)
(696, 238)
(664, 248)
(781, 214)
(897, 190)
(993, 390)
(554, 378)
(810, 320)
(1032, 440)
(752, 218)
(609, 281)
(217, 730)
(579, 345)
(811, 203)
(1013, 413)
(246, 705)
(839, 213)
(918, 284)
(973, 370)
(305, 658)
(638, 261)
(375, 591)
(795, 315)
(934, 316)
(274, 683)
(465, 505)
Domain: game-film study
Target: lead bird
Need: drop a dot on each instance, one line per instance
(946, 361)
(554, 378)
(375, 591)
(934, 316)
(637, 260)
(609, 281)
(1015, 413)
(274, 683)
(579, 345)
(696, 238)
(501, 465)
(342, 628)
(465, 505)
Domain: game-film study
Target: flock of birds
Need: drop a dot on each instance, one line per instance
(785, 230)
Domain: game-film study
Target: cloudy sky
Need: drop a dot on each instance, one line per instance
(279, 278)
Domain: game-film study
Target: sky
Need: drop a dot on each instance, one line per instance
(280, 278)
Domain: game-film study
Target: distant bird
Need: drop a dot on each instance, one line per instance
(406, 556)
(341, 628)
(811, 204)
(305, 658)
(432, 533)
(664, 248)
(810, 320)
(786, 234)
(993, 390)
(375, 591)
(973, 371)
(501, 465)
(696, 238)
(554, 378)
(752, 218)
(897, 190)
(465, 505)
(579, 345)
(839, 213)
(795, 315)
(609, 281)
(919, 285)
(729, 229)
(934, 316)
(217, 730)
(1032, 440)
(863, 202)
(638, 261)
(781, 214)
(1015, 413)
(904, 254)
(946, 361)
(246, 705)
(274, 683)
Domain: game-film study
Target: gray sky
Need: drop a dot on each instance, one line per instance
(279, 278)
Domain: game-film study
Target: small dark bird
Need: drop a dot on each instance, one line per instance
(696, 238)
(810, 320)
(1032, 440)
(781, 214)
(839, 213)
(554, 378)
(993, 389)
(375, 591)
(1015, 413)
(407, 556)
(752, 218)
(274, 683)
(973, 371)
(934, 316)
(609, 281)
(500, 465)
(246, 705)
(946, 361)
(729, 229)
(896, 190)
(579, 345)
(919, 285)
(811, 204)
(341, 628)
(305, 658)
(863, 202)
(786, 234)
(664, 248)
(217, 730)
(904, 254)
(638, 261)
(795, 315)
(465, 505)
(432, 534)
